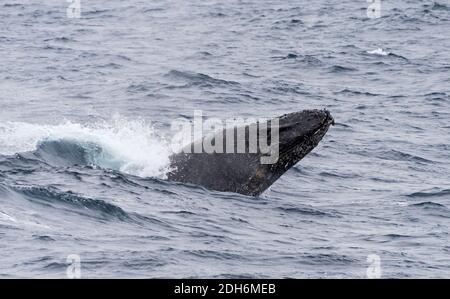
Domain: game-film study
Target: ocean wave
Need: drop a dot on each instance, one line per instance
(52, 195)
(326, 259)
(12, 5)
(129, 146)
(382, 52)
(287, 24)
(378, 51)
(283, 87)
(402, 156)
(341, 69)
(431, 193)
(198, 79)
(432, 208)
(212, 254)
(357, 92)
(437, 6)
(429, 205)
(60, 39)
(308, 211)
(307, 60)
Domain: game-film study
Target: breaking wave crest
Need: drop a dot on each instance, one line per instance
(129, 146)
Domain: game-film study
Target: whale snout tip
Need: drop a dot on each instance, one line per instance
(308, 120)
(329, 118)
(323, 116)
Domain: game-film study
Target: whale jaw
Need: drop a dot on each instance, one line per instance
(298, 134)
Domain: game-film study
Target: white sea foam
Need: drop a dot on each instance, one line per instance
(130, 146)
(378, 51)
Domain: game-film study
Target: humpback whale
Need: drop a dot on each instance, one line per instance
(246, 172)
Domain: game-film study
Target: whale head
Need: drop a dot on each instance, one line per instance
(287, 140)
(298, 134)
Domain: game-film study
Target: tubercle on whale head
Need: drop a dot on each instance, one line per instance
(299, 129)
(299, 133)
(295, 127)
(299, 124)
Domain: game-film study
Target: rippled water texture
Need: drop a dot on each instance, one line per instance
(86, 108)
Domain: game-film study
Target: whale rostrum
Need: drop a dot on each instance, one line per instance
(251, 161)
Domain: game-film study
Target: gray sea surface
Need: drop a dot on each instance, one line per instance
(375, 192)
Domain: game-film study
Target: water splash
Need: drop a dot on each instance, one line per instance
(130, 146)
(378, 51)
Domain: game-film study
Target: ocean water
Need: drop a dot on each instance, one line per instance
(373, 197)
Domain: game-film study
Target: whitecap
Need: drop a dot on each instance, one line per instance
(129, 146)
(378, 51)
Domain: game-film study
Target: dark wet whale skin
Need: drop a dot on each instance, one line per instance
(299, 134)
